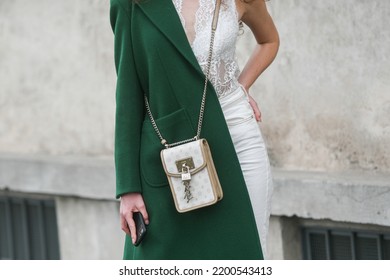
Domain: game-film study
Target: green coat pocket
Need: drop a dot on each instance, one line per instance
(173, 127)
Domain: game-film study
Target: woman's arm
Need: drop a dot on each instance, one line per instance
(255, 15)
(128, 120)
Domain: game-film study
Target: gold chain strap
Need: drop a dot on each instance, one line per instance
(203, 103)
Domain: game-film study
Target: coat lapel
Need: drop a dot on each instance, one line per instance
(163, 14)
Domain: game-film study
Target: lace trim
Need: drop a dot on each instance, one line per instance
(178, 5)
(224, 70)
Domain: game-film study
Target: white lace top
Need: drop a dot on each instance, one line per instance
(196, 17)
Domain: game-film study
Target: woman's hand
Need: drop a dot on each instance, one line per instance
(130, 203)
(253, 103)
(255, 108)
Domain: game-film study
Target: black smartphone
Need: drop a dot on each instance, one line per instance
(140, 227)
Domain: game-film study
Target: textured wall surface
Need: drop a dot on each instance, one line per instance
(325, 103)
(325, 100)
(89, 229)
(57, 77)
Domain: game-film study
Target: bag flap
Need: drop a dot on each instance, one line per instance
(191, 154)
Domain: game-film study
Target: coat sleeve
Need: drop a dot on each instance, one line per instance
(129, 103)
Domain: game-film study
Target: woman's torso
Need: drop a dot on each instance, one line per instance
(196, 17)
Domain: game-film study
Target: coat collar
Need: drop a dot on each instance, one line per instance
(164, 15)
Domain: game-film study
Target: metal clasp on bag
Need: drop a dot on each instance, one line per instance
(184, 166)
(186, 175)
(186, 179)
(185, 162)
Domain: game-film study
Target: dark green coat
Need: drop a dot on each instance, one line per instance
(153, 56)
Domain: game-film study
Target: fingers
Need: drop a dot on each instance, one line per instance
(131, 225)
(128, 226)
(258, 118)
(256, 109)
(130, 203)
(124, 225)
(253, 104)
(144, 214)
(257, 114)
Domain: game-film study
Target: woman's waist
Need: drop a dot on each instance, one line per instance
(236, 93)
(225, 88)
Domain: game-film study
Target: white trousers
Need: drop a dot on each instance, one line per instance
(252, 154)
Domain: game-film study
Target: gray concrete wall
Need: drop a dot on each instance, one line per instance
(88, 215)
(326, 98)
(57, 77)
(89, 229)
(87, 212)
(325, 103)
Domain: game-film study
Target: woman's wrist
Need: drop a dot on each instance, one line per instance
(245, 89)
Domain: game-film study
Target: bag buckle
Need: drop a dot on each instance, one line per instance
(184, 163)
